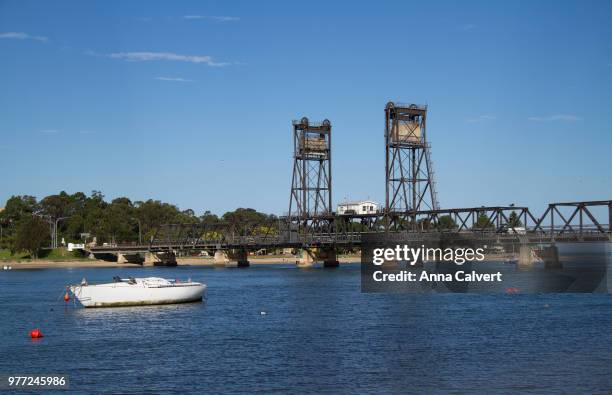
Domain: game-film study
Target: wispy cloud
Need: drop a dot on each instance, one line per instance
(49, 131)
(23, 36)
(149, 56)
(556, 117)
(214, 18)
(481, 118)
(466, 27)
(174, 79)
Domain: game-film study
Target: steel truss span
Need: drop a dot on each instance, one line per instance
(490, 223)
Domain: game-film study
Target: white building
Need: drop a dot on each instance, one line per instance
(361, 207)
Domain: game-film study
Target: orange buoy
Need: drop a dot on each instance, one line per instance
(66, 297)
(36, 334)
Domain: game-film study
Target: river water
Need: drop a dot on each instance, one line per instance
(320, 334)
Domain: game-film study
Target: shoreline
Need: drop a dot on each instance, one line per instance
(181, 261)
(186, 261)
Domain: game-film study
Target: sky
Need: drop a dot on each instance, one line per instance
(191, 102)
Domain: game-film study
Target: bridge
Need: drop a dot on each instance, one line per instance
(411, 208)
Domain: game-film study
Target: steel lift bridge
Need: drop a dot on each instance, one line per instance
(411, 207)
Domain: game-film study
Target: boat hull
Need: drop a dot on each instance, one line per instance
(121, 294)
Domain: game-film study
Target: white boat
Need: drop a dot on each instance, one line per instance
(137, 292)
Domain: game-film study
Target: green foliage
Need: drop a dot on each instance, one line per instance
(16, 208)
(247, 215)
(116, 222)
(446, 222)
(61, 254)
(32, 234)
(483, 222)
(514, 220)
(350, 226)
(7, 255)
(56, 206)
(56, 254)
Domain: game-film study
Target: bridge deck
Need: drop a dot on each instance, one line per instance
(253, 243)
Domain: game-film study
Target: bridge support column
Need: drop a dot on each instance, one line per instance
(166, 259)
(221, 259)
(241, 257)
(525, 255)
(329, 257)
(151, 259)
(129, 258)
(305, 258)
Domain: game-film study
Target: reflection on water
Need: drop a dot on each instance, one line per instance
(130, 313)
(320, 334)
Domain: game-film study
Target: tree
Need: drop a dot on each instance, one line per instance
(32, 234)
(248, 215)
(16, 209)
(56, 206)
(250, 221)
(93, 217)
(446, 222)
(514, 220)
(73, 226)
(119, 220)
(483, 222)
(154, 213)
(209, 219)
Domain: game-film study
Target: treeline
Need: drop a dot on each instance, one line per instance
(28, 224)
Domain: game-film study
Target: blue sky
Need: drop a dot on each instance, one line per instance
(192, 102)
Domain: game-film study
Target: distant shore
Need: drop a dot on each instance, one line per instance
(181, 261)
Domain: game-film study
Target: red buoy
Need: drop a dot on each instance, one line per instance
(66, 297)
(36, 334)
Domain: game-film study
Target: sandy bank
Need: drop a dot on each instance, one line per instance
(182, 261)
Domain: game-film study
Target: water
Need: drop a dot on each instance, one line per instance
(320, 334)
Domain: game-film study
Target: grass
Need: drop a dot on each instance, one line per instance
(5, 255)
(55, 254)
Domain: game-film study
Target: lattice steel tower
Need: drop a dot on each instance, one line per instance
(410, 185)
(310, 204)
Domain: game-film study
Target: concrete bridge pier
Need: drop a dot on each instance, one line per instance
(305, 258)
(329, 257)
(221, 258)
(151, 259)
(129, 258)
(241, 257)
(166, 259)
(232, 258)
(525, 255)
